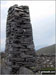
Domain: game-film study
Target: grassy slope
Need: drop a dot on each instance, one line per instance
(47, 50)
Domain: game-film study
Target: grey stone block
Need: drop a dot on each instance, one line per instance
(24, 70)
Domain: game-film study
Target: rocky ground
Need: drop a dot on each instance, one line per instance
(43, 61)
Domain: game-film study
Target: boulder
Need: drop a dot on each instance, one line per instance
(24, 70)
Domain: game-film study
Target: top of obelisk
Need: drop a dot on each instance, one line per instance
(19, 7)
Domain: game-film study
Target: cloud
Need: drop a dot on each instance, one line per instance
(44, 32)
(2, 44)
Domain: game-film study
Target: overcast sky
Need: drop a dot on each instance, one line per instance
(42, 14)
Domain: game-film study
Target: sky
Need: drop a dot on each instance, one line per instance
(42, 15)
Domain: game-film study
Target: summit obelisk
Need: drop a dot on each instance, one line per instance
(19, 40)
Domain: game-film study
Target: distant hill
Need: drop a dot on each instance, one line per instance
(47, 50)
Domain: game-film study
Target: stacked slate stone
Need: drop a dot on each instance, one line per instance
(19, 41)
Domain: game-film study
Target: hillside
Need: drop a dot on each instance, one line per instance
(47, 50)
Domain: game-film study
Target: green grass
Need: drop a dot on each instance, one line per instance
(48, 69)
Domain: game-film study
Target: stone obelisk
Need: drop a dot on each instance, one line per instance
(19, 40)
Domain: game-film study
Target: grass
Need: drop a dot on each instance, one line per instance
(49, 69)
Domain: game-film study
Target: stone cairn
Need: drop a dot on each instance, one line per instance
(19, 41)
